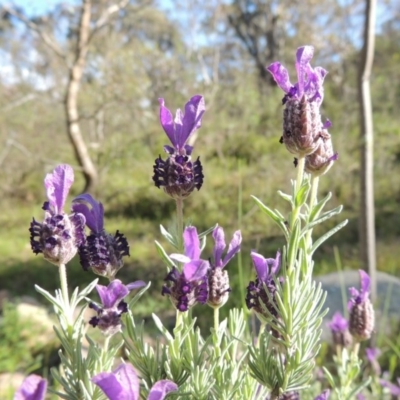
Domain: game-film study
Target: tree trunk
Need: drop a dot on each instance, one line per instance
(367, 211)
(71, 101)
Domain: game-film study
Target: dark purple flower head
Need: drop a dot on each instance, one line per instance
(393, 389)
(302, 126)
(362, 318)
(218, 280)
(178, 175)
(340, 330)
(189, 287)
(59, 235)
(267, 270)
(33, 388)
(109, 314)
(123, 384)
(324, 395)
(101, 252)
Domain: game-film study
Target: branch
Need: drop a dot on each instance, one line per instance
(107, 13)
(43, 35)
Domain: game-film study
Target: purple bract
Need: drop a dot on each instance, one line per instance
(108, 318)
(188, 287)
(59, 235)
(33, 388)
(123, 384)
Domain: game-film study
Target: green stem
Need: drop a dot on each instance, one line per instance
(301, 161)
(62, 270)
(299, 180)
(178, 319)
(179, 223)
(216, 318)
(313, 200)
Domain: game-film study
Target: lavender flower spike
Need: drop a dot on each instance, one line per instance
(302, 126)
(33, 388)
(123, 384)
(178, 175)
(109, 315)
(267, 270)
(59, 235)
(102, 252)
(218, 280)
(362, 318)
(189, 287)
(340, 330)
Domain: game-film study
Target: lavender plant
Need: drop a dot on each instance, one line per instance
(230, 361)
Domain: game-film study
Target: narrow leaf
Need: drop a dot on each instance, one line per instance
(327, 235)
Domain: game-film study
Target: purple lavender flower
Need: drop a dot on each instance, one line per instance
(33, 388)
(101, 252)
(362, 319)
(178, 175)
(340, 330)
(302, 126)
(109, 315)
(123, 384)
(218, 280)
(372, 354)
(393, 389)
(324, 395)
(257, 297)
(189, 287)
(60, 235)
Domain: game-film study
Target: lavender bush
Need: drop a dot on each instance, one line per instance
(230, 362)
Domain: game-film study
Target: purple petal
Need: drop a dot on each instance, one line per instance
(260, 264)
(234, 247)
(121, 384)
(192, 243)
(338, 323)
(394, 390)
(194, 110)
(135, 285)
(303, 57)
(275, 263)
(372, 353)
(365, 284)
(266, 268)
(161, 388)
(33, 388)
(219, 239)
(324, 395)
(195, 270)
(94, 216)
(57, 186)
(167, 122)
(280, 75)
(112, 294)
